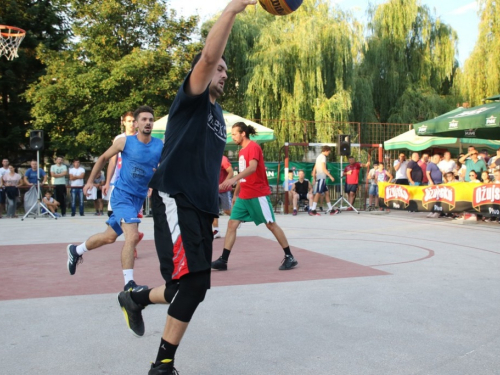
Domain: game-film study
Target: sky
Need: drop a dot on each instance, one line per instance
(460, 14)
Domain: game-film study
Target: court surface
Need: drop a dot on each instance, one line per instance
(373, 294)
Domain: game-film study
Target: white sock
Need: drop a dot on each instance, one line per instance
(80, 249)
(128, 275)
(329, 205)
(295, 208)
(314, 206)
(216, 228)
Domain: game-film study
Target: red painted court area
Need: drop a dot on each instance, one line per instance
(37, 271)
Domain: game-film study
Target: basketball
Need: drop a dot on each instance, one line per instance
(280, 7)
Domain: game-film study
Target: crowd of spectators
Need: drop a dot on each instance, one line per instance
(420, 170)
(13, 185)
(474, 166)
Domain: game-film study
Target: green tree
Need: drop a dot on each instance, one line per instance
(297, 68)
(44, 24)
(408, 66)
(125, 53)
(481, 74)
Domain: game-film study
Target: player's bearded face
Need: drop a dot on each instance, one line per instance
(237, 137)
(145, 123)
(219, 80)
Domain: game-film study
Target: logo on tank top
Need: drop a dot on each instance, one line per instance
(217, 127)
(138, 172)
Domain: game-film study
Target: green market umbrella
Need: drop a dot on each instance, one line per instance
(411, 141)
(263, 134)
(477, 122)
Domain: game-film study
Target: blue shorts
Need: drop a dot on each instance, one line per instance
(125, 209)
(351, 188)
(320, 186)
(373, 190)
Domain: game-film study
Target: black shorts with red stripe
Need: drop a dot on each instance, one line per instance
(183, 236)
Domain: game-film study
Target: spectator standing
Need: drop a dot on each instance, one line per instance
(351, 173)
(494, 162)
(58, 172)
(473, 164)
(496, 180)
(290, 182)
(225, 196)
(434, 174)
(99, 182)
(76, 176)
(373, 189)
(414, 172)
(30, 177)
(447, 164)
(11, 181)
(484, 155)
(3, 170)
(381, 175)
(400, 166)
(423, 165)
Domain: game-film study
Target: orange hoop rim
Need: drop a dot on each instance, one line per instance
(20, 32)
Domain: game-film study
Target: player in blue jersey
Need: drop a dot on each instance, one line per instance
(141, 154)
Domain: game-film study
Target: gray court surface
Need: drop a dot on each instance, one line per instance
(435, 312)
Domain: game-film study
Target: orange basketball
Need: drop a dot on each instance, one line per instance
(280, 7)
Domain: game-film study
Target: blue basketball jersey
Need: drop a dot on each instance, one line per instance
(139, 161)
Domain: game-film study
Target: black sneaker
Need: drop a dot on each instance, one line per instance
(132, 312)
(163, 369)
(313, 213)
(334, 211)
(219, 264)
(133, 287)
(73, 259)
(288, 263)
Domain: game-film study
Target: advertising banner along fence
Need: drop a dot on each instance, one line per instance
(455, 197)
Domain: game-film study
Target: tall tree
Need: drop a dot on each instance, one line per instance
(408, 67)
(125, 53)
(45, 27)
(481, 74)
(297, 68)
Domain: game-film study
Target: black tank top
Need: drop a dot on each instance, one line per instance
(302, 187)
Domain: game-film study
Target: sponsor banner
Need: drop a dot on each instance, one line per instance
(454, 197)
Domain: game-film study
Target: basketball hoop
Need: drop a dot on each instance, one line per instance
(10, 39)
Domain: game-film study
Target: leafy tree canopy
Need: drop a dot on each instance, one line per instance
(481, 74)
(45, 27)
(409, 60)
(125, 53)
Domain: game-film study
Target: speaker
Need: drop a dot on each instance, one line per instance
(36, 139)
(344, 145)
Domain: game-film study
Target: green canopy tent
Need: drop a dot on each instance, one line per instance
(263, 134)
(482, 121)
(411, 141)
